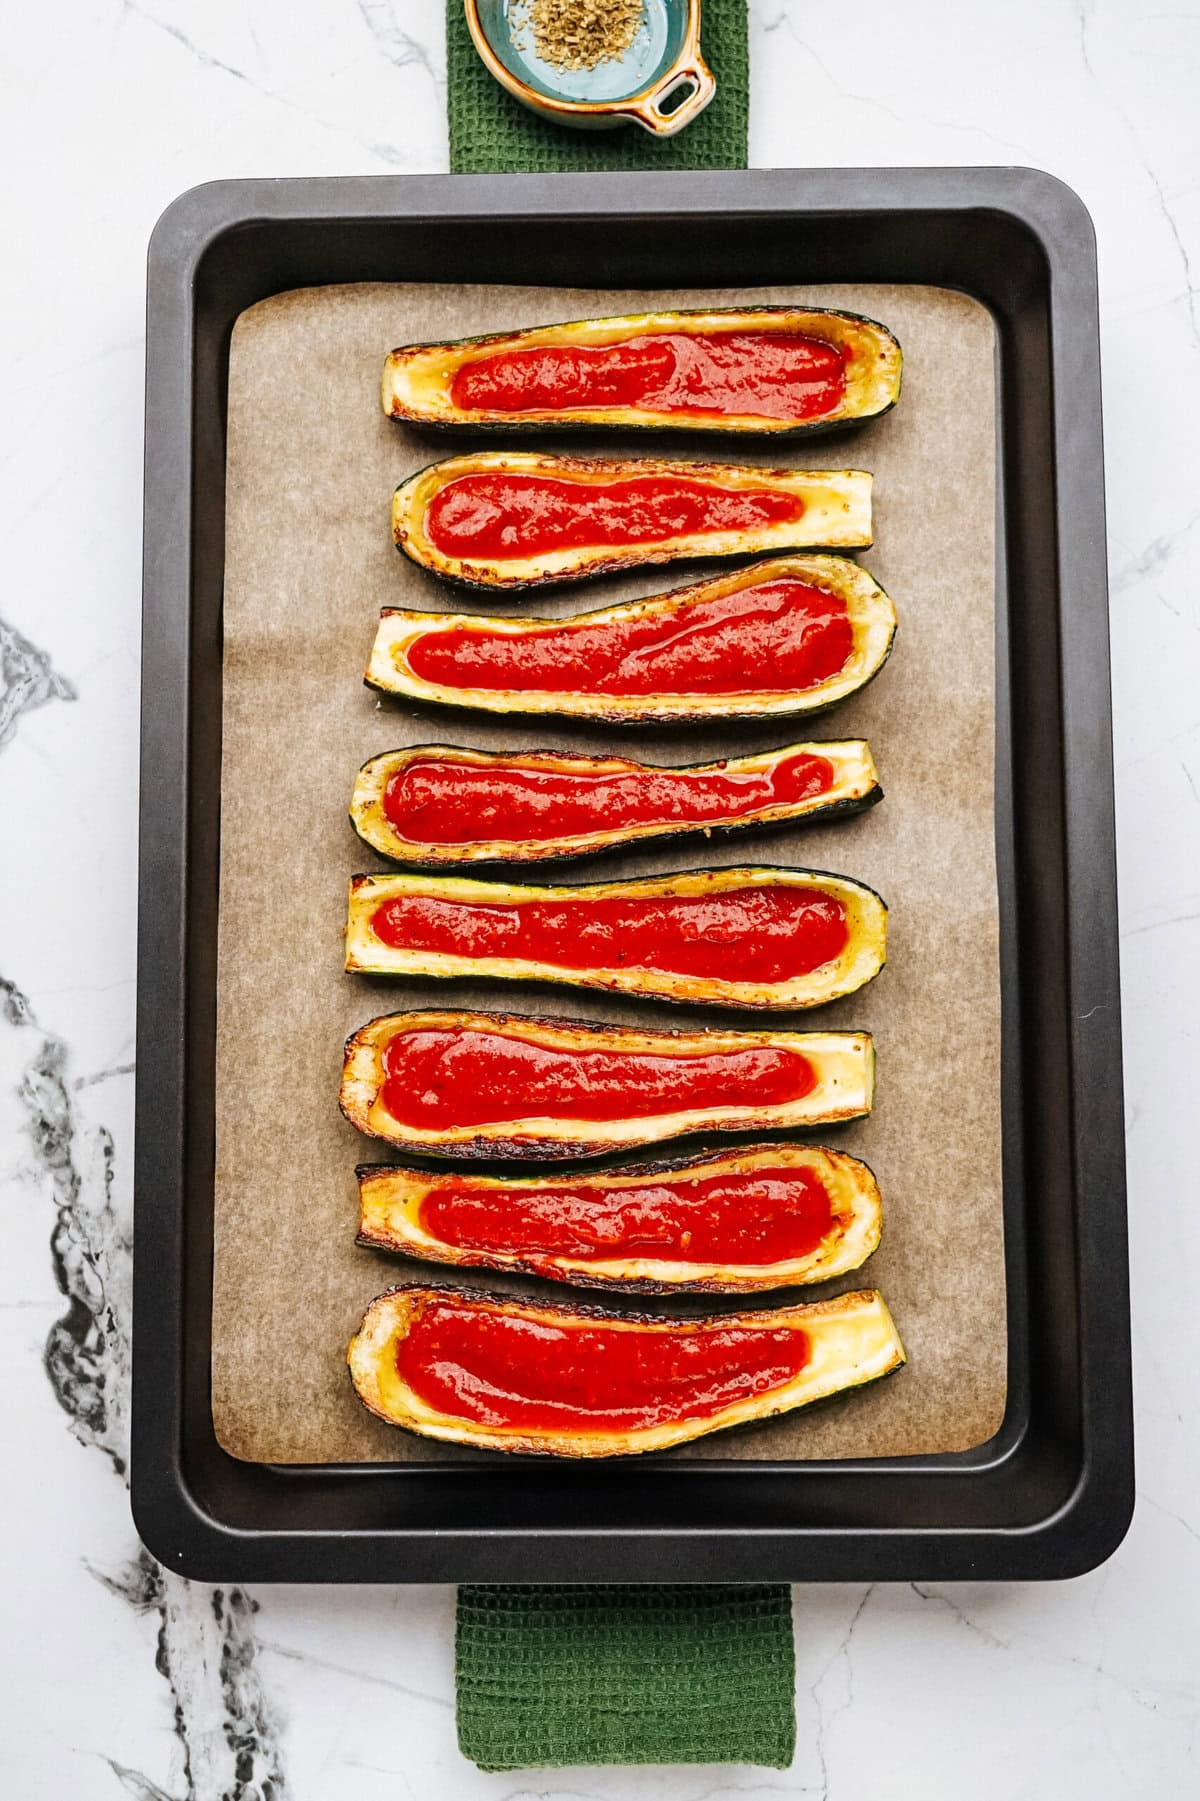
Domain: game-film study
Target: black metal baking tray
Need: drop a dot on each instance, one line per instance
(1052, 1493)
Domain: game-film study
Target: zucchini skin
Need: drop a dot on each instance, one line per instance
(370, 1347)
(371, 825)
(859, 963)
(548, 568)
(805, 1271)
(872, 614)
(824, 324)
(501, 1142)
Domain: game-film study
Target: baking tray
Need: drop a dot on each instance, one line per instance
(1052, 1493)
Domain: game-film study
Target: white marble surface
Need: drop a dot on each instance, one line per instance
(118, 1681)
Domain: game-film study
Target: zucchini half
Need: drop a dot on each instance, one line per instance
(449, 908)
(465, 1059)
(419, 379)
(847, 1342)
(442, 776)
(393, 1204)
(869, 609)
(836, 514)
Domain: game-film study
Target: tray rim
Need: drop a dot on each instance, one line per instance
(1092, 1519)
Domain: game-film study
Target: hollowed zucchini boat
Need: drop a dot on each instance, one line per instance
(514, 519)
(505, 1374)
(757, 937)
(773, 371)
(438, 805)
(731, 1222)
(473, 1085)
(788, 636)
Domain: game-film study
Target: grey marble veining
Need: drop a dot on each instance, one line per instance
(26, 680)
(120, 1678)
(206, 1647)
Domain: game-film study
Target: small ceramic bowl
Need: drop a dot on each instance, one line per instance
(661, 82)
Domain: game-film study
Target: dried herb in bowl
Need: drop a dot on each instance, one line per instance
(578, 34)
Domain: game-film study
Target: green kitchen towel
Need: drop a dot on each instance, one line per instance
(489, 130)
(658, 1675)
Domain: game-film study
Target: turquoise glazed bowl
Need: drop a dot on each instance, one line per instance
(660, 83)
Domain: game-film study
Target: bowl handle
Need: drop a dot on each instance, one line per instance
(648, 112)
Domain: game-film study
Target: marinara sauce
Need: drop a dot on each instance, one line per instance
(440, 1077)
(434, 800)
(782, 636)
(500, 514)
(752, 374)
(738, 1217)
(771, 933)
(506, 1369)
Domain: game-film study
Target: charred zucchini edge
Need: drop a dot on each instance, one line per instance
(519, 1141)
(861, 960)
(390, 1197)
(371, 824)
(403, 370)
(838, 492)
(372, 1352)
(870, 608)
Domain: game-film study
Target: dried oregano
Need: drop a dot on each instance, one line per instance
(578, 34)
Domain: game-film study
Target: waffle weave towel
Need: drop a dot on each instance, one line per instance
(589, 1675)
(489, 130)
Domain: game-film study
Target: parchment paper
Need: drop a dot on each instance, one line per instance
(309, 562)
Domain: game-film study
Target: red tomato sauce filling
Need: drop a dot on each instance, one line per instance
(440, 1077)
(501, 1369)
(759, 374)
(781, 636)
(765, 934)
(501, 515)
(755, 1216)
(434, 801)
